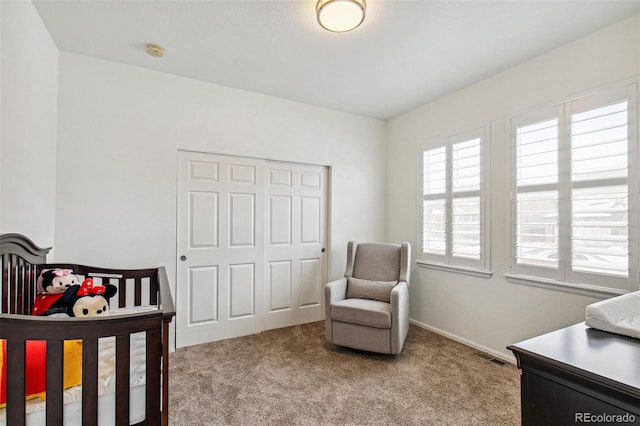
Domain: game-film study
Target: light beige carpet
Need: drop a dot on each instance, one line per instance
(290, 376)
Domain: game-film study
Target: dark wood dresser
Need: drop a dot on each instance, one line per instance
(579, 375)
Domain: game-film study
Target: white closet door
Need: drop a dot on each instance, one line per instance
(250, 243)
(295, 250)
(220, 268)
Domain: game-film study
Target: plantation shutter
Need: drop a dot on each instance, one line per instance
(453, 222)
(599, 199)
(537, 208)
(434, 232)
(465, 218)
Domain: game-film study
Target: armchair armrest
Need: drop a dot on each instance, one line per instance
(334, 291)
(399, 315)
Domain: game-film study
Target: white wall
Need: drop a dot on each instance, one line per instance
(28, 126)
(119, 131)
(119, 127)
(492, 313)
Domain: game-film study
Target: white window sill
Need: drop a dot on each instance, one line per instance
(576, 288)
(465, 270)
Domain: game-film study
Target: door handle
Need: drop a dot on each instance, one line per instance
(183, 257)
(323, 249)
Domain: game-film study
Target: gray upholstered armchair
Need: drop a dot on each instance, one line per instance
(368, 309)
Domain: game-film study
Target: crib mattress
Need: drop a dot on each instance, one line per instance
(35, 408)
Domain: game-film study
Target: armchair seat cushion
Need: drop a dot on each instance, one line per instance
(370, 313)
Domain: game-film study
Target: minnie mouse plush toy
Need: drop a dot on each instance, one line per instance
(51, 284)
(87, 300)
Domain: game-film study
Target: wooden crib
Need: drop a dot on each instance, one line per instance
(149, 288)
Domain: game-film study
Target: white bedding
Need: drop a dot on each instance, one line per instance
(35, 408)
(620, 315)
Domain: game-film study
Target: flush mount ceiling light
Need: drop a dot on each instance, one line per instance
(340, 15)
(155, 50)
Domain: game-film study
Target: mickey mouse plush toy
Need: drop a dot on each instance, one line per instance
(87, 300)
(51, 284)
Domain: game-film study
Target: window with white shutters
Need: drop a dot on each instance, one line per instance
(454, 204)
(574, 174)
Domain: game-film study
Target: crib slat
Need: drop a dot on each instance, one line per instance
(123, 366)
(54, 382)
(25, 305)
(5, 282)
(17, 261)
(122, 293)
(15, 382)
(26, 293)
(154, 352)
(89, 382)
(20, 277)
(153, 290)
(138, 292)
(13, 279)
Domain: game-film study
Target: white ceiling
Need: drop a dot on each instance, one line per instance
(405, 54)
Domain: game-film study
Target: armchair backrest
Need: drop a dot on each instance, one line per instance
(378, 261)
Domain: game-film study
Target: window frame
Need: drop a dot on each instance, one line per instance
(565, 276)
(449, 262)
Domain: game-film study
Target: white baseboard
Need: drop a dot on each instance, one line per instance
(511, 359)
